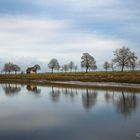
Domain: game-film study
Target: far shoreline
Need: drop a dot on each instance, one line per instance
(65, 80)
(129, 80)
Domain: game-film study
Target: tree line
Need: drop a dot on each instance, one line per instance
(124, 58)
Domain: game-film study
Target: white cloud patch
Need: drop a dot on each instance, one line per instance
(45, 39)
(2, 50)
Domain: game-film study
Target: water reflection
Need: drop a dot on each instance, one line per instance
(55, 94)
(70, 93)
(11, 89)
(126, 103)
(34, 89)
(79, 114)
(89, 98)
(107, 96)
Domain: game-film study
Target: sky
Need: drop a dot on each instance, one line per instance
(35, 31)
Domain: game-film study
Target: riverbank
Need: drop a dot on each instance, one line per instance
(116, 77)
(128, 81)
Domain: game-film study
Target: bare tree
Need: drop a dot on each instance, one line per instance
(139, 63)
(65, 67)
(8, 67)
(88, 62)
(54, 64)
(106, 65)
(75, 68)
(71, 65)
(133, 64)
(15, 68)
(111, 65)
(123, 57)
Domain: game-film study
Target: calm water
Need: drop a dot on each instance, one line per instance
(50, 113)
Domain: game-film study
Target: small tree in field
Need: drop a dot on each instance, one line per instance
(123, 57)
(71, 65)
(111, 65)
(65, 67)
(54, 64)
(15, 68)
(133, 64)
(88, 62)
(8, 67)
(139, 63)
(75, 68)
(106, 65)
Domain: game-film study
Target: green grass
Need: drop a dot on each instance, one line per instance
(120, 77)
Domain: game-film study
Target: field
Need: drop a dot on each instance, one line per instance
(119, 77)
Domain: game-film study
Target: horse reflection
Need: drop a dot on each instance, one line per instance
(89, 99)
(11, 89)
(33, 89)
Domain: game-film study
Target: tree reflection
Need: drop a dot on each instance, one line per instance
(33, 89)
(127, 103)
(70, 92)
(89, 99)
(11, 89)
(109, 96)
(55, 94)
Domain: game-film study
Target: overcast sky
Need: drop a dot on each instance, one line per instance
(34, 31)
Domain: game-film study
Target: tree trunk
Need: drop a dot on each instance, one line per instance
(86, 69)
(112, 69)
(122, 68)
(52, 70)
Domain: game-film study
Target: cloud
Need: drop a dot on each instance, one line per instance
(65, 29)
(27, 31)
(45, 39)
(2, 50)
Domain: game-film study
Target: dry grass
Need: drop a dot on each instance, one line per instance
(121, 77)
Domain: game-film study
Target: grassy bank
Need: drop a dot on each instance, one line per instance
(119, 77)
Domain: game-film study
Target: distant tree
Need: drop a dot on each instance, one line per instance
(106, 65)
(123, 57)
(88, 62)
(111, 65)
(65, 67)
(54, 64)
(8, 67)
(132, 64)
(15, 68)
(71, 65)
(75, 68)
(94, 67)
(139, 63)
